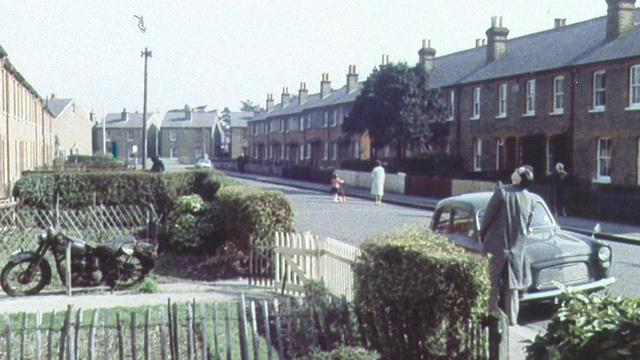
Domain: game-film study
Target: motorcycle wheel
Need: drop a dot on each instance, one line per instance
(17, 281)
(127, 271)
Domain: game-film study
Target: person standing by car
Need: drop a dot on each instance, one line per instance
(503, 233)
(559, 188)
(158, 165)
(377, 185)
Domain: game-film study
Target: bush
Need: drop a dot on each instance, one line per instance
(246, 212)
(596, 326)
(415, 294)
(190, 225)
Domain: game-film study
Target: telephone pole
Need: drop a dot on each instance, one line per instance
(146, 54)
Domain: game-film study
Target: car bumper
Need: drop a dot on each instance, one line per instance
(550, 294)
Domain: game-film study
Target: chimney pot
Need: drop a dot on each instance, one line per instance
(621, 16)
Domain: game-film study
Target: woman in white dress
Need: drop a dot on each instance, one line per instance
(377, 185)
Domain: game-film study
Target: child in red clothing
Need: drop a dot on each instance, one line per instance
(336, 184)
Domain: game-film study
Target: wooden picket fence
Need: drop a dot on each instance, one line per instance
(290, 260)
(284, 328)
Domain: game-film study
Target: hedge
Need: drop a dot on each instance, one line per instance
(415, 294)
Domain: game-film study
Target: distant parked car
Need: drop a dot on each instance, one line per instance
(204, 164)
(557, 256)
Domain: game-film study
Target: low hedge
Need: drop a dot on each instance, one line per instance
(596, 326)
(415, 294)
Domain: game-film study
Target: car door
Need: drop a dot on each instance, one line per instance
(463, 230)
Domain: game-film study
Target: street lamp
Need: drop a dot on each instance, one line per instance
(146, 54)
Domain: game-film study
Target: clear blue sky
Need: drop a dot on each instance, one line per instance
(217, 53)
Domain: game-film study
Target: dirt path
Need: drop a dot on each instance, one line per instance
(218, 291)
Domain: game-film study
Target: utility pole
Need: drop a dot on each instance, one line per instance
(146, 54)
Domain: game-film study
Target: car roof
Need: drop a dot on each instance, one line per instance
(471, 201)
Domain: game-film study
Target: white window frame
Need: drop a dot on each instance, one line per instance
(634, 87)
(107, 135)
(599, 90)
(499, 153)
(334, 150)
(551, 158)
(332, 119)
(325, 150)
(475, 108)
(603, 158)
(356, 150)
(477, 154)
(307, 152)
(301, 152)
(530, 104)
(131, 135)
(173, 135)
(452, 104)
(502, 101)
(173, 153)
(308, 123)
(325, 118)
(558, 95)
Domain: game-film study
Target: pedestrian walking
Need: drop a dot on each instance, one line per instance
(377, 184)
(559, 190)
(336, 185)
(504, 230)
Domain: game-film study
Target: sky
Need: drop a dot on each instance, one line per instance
(221, 52)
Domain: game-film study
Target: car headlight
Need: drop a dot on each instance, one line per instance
(604, 254)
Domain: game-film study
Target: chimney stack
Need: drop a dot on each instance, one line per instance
(558, 23)
(270, 102)
(285, 97)
(496, 39)
(325, 86)
(621, 16)
(124, 115)
(187, 112)
(385, 61)
(303, 94)
(352, 79)
(427, 55)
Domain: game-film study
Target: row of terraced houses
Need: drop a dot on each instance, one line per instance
(570, 94)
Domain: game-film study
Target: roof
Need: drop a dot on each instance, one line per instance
(57, 106)
(177, 119)
(571, 45)
(133, 121)
(473, 201)
(239, 119)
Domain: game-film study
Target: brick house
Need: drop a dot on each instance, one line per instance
(72, 127)
(123, 136)
(568, 94)
(188, 135)
(306, 129)
(238, 143)
(26, 129)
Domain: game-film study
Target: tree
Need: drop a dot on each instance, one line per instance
(398, 108)
(247, 105)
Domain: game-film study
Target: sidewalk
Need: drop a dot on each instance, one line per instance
(611, 231)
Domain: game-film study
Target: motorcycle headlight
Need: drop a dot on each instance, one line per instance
(128, 249)
(42, 237)
(604, 254)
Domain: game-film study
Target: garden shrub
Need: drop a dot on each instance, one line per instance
(190, 225)
(345, 353)
(246, 212)
(595, 326)
(416, 292)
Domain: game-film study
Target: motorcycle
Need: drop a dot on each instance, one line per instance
(122, 263)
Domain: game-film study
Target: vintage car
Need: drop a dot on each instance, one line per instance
(204, 164)
(557, 256)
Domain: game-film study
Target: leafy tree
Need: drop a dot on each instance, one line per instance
(398, 108)
(225, 119)
(247, 105)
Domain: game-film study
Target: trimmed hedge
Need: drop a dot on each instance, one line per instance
(592, 326)
(416, 292)
(246, 212)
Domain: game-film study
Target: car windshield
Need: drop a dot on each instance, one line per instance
(541, 218)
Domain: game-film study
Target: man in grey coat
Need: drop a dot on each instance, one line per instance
(505, 226)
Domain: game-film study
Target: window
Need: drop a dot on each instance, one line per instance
(356, 150)
(476, 103)
(452, 104)
(502, 100)
(108, 135)
(634, 86)
(599, 84)
(499, 153)
(334, 150)
(308, 124)
(325, 151)
(173, 152)
(307, 152)
(282, 151)
(477, 155)
(325, 118)
(173, 135)
(604, 160)
(531, 98)
(551, 157)
(131, 135)
(558, 95)
(198, 154)
(301, 152)
(332, 120)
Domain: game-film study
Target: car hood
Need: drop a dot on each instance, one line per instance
(550, 246)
